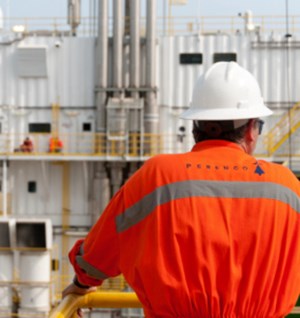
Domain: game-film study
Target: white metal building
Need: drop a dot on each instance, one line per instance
(112, 110)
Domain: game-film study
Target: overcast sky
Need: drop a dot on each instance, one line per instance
(58, 8)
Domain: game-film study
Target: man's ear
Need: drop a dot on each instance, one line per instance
(251, 130)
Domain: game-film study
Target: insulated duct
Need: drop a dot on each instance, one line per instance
(117, 46)
(134, 46)
(134, 79)
(151, 107)
(115, 110)
(101, 63)
(110, 119)
(101, 191)
(74, 7)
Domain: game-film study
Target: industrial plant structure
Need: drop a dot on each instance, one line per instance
(98, 97)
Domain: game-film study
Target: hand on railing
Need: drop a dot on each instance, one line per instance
(73, 289)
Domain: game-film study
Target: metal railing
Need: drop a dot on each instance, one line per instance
(136, 146)
(169, 25)
(84, 144)
(69, 305)
(284, 129)
(116, 284)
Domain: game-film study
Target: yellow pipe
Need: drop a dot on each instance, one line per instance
(71, 303)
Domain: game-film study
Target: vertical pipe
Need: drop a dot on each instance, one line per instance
(117, 46)
(101, 62)
(170, 31)
(4, 186)
(101, 191)
(134, 45)
(165, 3)
(116, 176)
(74, 7)
(100, 182)
(151, 108)
(127, 17)
(118, 116)
(86, 185)
(45, 179)
(134, 83)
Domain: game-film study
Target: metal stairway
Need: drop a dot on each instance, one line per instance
(287, 126)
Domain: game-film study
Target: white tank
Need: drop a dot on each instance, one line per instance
(26, 313)
(35, 266)
(35, 270)
(6, 275)
(35, 298)
(5, 313)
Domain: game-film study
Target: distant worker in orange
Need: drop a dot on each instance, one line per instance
(27, 145)
(213, 232)
(55, 145)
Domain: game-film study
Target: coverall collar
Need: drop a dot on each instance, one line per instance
(202, 145)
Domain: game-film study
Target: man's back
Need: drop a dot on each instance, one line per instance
(209, 233)
(212, 233)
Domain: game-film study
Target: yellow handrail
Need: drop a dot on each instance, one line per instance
(71, 303)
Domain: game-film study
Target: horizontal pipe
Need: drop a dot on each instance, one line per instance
(71, 303)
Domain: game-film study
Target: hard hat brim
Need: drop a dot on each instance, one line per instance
(230, 114)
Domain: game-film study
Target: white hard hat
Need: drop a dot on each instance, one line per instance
(226, 92)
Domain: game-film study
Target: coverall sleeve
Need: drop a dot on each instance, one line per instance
(97, 256)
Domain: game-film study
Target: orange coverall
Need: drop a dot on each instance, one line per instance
(209, 233)
(55, 144)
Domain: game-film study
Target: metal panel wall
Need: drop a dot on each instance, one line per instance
(15, 125)
(70, 80)
(272, 59)
(268, 57)
(51, 193)
(26, 203)
(71, 60)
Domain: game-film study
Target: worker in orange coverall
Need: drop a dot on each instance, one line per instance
(213, 232)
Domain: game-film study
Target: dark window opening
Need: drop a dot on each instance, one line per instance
(39, 127)
(32, 186)
(86, 127)
(4, 235)
(31, 234)
(224, 57)
(190, 58)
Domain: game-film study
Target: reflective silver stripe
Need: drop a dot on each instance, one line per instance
(88, 268)
(202, 188)
(81, 251)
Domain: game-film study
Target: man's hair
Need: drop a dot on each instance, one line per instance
(224, 130)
